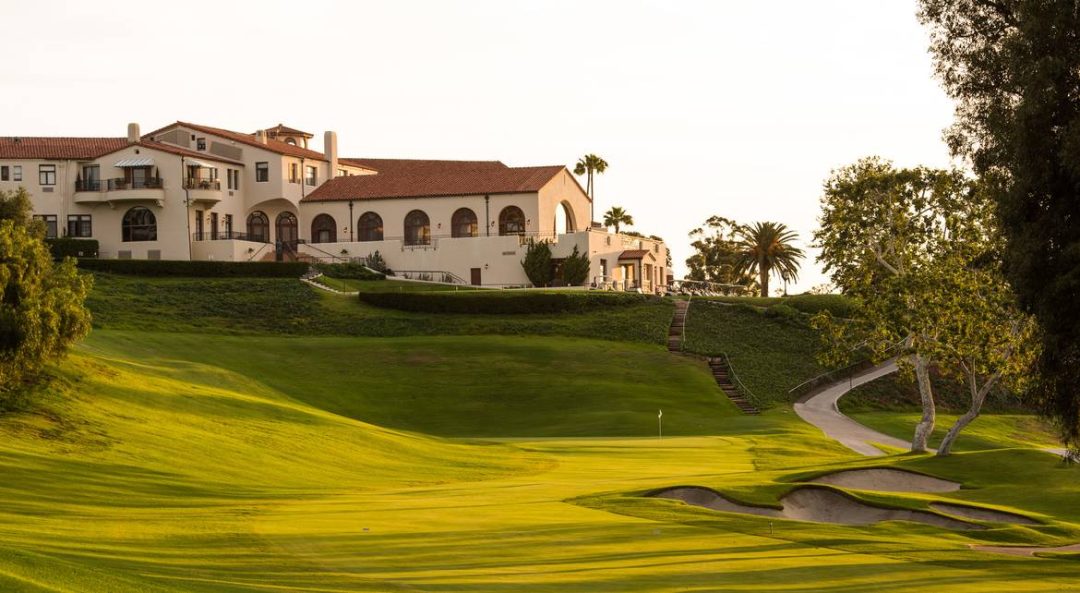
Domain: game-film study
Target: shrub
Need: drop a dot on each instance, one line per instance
(499, 303)
(537, 263)
(70, 247)
(782, 311)
(376, 262)
(575, 269)
(352, 271)
(195, 269)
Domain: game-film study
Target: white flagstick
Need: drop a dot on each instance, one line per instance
(660, 424)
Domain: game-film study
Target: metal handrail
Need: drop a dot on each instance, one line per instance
(840, 373)
(197, 183)
(227, 235)
(333, 258)
(432, 273)
(738, 383)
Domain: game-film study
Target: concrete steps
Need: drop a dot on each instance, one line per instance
(722, 375)
(678, 326)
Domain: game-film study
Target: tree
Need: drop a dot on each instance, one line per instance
(575, 268)
(764, 248)
(41, 303)
(590, 164)
(918, 251)
(1013, 68)
(537, 263)
(616, 217)
(715, 251)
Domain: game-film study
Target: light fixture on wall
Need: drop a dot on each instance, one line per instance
(485, 266)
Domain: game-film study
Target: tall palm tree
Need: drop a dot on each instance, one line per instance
(617, 216)
(766, 248)
(590, 164)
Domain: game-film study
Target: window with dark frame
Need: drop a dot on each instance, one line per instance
(228, 226)
(262, 172)
(79, 225)
(16, 173)
(139, 224)
(371, 227)
(294, 173)
(4, 173)
(200, 144)
(311, 175)
(50, 224)
(46, 174)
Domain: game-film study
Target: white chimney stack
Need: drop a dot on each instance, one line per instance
(330, 148)
(133, 133)
(260, 136)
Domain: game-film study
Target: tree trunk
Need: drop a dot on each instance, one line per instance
(978, 396)
(926, 425)
(763, 279)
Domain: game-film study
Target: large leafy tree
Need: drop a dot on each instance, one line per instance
(917, 249)
(767, 248)
(715, 245)
(1013, 67)
(41, 303)
(590, 165)
(616, 217)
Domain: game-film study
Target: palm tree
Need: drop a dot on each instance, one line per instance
(590, 164)
(617, 216)
(765, 248)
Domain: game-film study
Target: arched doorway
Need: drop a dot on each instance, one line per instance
(258, 227)
(564, 219)
(286, 227)
(323, 229)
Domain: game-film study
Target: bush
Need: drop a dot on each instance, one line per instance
(195, 269)
(499, 303)
(575, 269)
(376, 262)
(70, 247)
(837, 304)
(350, 271)
(537, 263)
(782, 311)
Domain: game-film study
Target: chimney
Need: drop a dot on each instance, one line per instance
(133, 133)
(330, 148)
(260, 136)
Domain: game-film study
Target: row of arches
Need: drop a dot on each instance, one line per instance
(416, 226)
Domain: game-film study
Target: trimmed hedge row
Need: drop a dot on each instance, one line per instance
(349, 271)
(69, 247)
(196, 269)
(500, 303)
(839, 305)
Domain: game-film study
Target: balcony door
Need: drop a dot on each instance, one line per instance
(286, 228)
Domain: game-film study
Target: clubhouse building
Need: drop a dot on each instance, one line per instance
(194, 192)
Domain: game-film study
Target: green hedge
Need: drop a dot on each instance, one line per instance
(838, 304)
(70, 247)
(349, 271)
(500, 303)
(196, 269)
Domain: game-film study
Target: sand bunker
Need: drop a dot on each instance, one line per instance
(813, 504)
(710, 499)
(981, 514)
(886, 480)
(1025, 550)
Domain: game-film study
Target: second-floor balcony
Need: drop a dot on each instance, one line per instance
(124, 189)
(199, 189)
(198, 183)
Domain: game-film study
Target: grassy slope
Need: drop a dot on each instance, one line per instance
(770, 356)
(152, 467)
(285, 306)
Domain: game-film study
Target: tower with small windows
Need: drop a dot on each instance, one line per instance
(288, 135)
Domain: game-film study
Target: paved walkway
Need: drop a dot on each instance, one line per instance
(820, 410)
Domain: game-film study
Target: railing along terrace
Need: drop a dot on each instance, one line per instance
(122, 184)
(196, 183)
(88, 185)
(228, 235)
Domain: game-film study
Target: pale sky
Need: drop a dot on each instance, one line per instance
(736, 108)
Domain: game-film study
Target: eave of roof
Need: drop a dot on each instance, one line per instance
(433, 179)
(271, 145)
(57, 148)
(169, 148)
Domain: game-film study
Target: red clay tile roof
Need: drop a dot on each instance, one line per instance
(202, 156)
(272, 145)
(398, 178)
(634, 254)
(20, 147)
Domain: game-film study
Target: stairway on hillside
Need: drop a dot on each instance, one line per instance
(721, 372)
(678, 327)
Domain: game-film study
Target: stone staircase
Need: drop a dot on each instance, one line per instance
(678, 327)
(721, 372)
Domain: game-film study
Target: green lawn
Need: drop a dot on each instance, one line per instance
(388, 285)
(770, 355)
(218, 457)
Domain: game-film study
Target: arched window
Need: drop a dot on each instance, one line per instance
(417, 228)
(323, 229)
(139, 224)
(287, 228)
(258, 227)
(463, 223)
(511, 221)
(370, 227)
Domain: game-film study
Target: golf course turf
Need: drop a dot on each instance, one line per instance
(218, 459)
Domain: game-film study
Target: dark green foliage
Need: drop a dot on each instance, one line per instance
(71, 247)
(16, 207)
(196, 269)
(1014, 69)
(715, 251)
(837, 304)
(575, 269)
(352, 271)
(376, 262)
(500, 303)
(537, 263)
(782, 311)
(285, 306)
